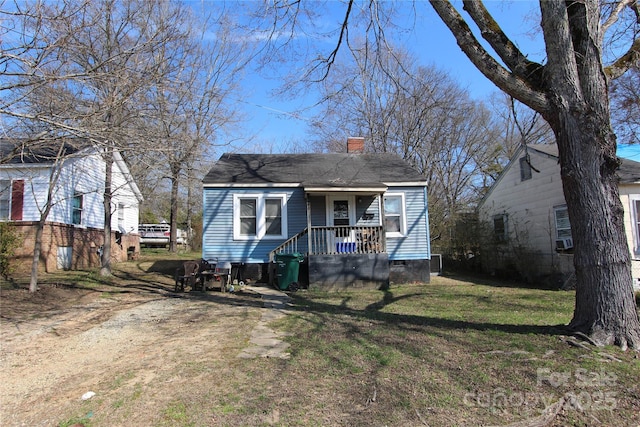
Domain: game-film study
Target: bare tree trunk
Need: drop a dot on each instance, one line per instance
(174, 211)
(54, 176)
(580, 118)
(571, 92)
(605, 309)
(189, 221)
(105, 265)
(33, 280)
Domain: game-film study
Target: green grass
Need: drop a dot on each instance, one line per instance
(176, 414)
(83, 421)
(444, 348)
(451, 352)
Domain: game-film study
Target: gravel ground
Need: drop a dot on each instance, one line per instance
(120, 347)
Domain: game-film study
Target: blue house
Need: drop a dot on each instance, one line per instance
(358, 220)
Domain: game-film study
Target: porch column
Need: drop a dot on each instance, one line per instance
(309, 231)
(383, 238)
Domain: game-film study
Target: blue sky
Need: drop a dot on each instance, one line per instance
(629, 152)
(275, 122)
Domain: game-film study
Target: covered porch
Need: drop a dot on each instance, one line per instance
(344, 242)
(334, 240)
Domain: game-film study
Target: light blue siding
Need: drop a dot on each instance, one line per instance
(318, 211)
(367, 210)
(217, 235)
(218, 241)
(415, 244)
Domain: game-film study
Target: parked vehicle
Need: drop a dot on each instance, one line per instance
(154, 235)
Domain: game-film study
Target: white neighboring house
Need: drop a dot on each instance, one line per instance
(74, 227)
(527, 212)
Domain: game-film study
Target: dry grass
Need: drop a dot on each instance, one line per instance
(451, 352)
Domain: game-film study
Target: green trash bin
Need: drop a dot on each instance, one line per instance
(288, 266)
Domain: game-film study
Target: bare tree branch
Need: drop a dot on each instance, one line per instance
(615, 13)
(514, 59)
(328, 62)
(630, 59)
(486, 64)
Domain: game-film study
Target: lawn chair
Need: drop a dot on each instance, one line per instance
(186, 275)
(223, 273)
(206, 270)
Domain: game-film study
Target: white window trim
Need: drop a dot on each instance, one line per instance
(261, 227)
(8, 198)
(504, 237)
(555, 219)
(121, 214)
(403, 215)
(351, 200)
(635, 215)
(82, 209)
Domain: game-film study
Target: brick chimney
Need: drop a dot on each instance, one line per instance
(355, 144)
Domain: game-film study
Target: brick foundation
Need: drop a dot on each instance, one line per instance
(83, 243)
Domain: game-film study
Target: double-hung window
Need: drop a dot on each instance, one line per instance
(76, 208)
(273, 217)
(121, 215)
(500, 228)
(394, 215)
(635, 225)
(11, 199)
(563, 227)
(248, 216)
(259, 216)
(5, 199)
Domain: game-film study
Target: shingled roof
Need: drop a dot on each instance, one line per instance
(628, 172)
(328, 170)
(19, 152)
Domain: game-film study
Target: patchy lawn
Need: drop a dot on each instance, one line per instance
(452, 352)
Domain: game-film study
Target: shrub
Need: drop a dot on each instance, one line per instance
(9, 242)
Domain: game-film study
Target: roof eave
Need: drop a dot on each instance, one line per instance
(357, 187)
(345, 189)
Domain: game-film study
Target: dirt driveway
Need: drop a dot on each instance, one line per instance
(133, 349)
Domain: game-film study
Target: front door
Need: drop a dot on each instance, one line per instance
(341, 212)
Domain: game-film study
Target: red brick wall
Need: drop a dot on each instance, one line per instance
(355, 144)
(85, 243)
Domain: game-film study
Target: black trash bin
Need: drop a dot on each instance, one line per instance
(288, 267)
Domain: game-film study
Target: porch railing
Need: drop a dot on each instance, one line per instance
(294, 244)
(335, 240)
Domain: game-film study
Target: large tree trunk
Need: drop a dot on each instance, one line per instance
(571, 93)
(604, 309)
(577, 89)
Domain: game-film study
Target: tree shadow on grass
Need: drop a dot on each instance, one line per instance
(149, 290)
(133, 283)
(373, 312)
(157, 279)
(167, 267)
